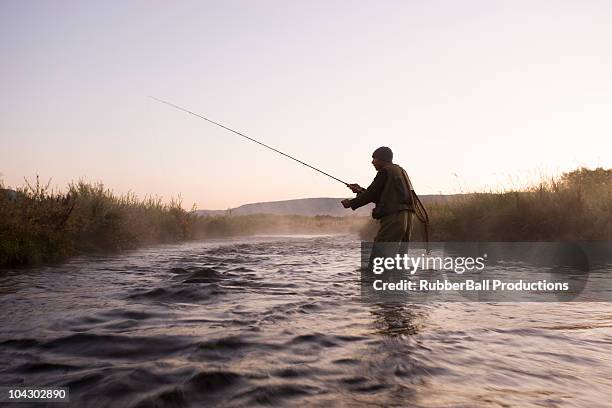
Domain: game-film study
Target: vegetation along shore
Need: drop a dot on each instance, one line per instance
(38, 225)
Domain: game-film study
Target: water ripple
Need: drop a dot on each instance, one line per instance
(279, 322)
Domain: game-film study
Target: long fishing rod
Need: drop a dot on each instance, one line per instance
(247, 137)
(420, 210)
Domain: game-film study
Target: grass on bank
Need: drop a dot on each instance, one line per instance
(38, 225)
(575, 206)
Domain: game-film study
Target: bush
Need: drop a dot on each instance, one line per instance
(38, 225)
(575, 206)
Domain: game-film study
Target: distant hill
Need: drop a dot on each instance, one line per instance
(309, 207)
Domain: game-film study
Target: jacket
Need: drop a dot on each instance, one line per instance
(391, 191)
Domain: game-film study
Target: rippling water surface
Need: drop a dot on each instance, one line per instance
(279, 321)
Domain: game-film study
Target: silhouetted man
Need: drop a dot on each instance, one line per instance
(391, 191)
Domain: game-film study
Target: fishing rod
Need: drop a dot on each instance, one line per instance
(420, 210)
(247, 137)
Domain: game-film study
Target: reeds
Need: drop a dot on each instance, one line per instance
(38, 225)
(577, 206)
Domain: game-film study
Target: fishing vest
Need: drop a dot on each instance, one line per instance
(397, 194)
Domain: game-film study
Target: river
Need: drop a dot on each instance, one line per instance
(280, 321)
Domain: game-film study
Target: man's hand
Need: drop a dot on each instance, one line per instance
(356, 188)
(346, 203)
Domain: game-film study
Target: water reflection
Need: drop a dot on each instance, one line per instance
(397, 318)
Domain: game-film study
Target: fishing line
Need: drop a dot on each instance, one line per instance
(247, 137)
(419, 208)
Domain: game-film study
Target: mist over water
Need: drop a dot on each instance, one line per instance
(279, 321)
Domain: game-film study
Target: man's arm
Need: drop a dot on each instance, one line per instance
(372, 193)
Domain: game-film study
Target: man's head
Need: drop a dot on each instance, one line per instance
(382, 157)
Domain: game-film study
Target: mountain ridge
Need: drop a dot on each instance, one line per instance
(310, 207)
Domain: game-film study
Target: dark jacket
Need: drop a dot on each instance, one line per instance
(391, 191)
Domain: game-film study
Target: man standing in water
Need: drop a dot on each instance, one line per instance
(391, 191)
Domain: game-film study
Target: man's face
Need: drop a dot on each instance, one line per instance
(378, 164)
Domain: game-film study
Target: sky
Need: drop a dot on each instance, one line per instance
(470, 95)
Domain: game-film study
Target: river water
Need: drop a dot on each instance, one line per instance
(279, 321)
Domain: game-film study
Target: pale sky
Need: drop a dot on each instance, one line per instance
(470, 95)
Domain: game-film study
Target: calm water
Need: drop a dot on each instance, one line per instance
(279, 321)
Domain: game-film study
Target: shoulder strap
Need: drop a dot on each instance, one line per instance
(419, 210)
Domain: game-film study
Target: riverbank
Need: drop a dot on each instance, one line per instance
(41, 226)
(38, 225)
(577, 206)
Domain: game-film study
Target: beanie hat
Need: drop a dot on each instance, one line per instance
(383, 153)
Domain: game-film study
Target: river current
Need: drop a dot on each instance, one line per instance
(279, 321)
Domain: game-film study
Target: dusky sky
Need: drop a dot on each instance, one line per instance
(470, 95)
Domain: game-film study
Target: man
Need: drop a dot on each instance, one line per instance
(392, 192)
